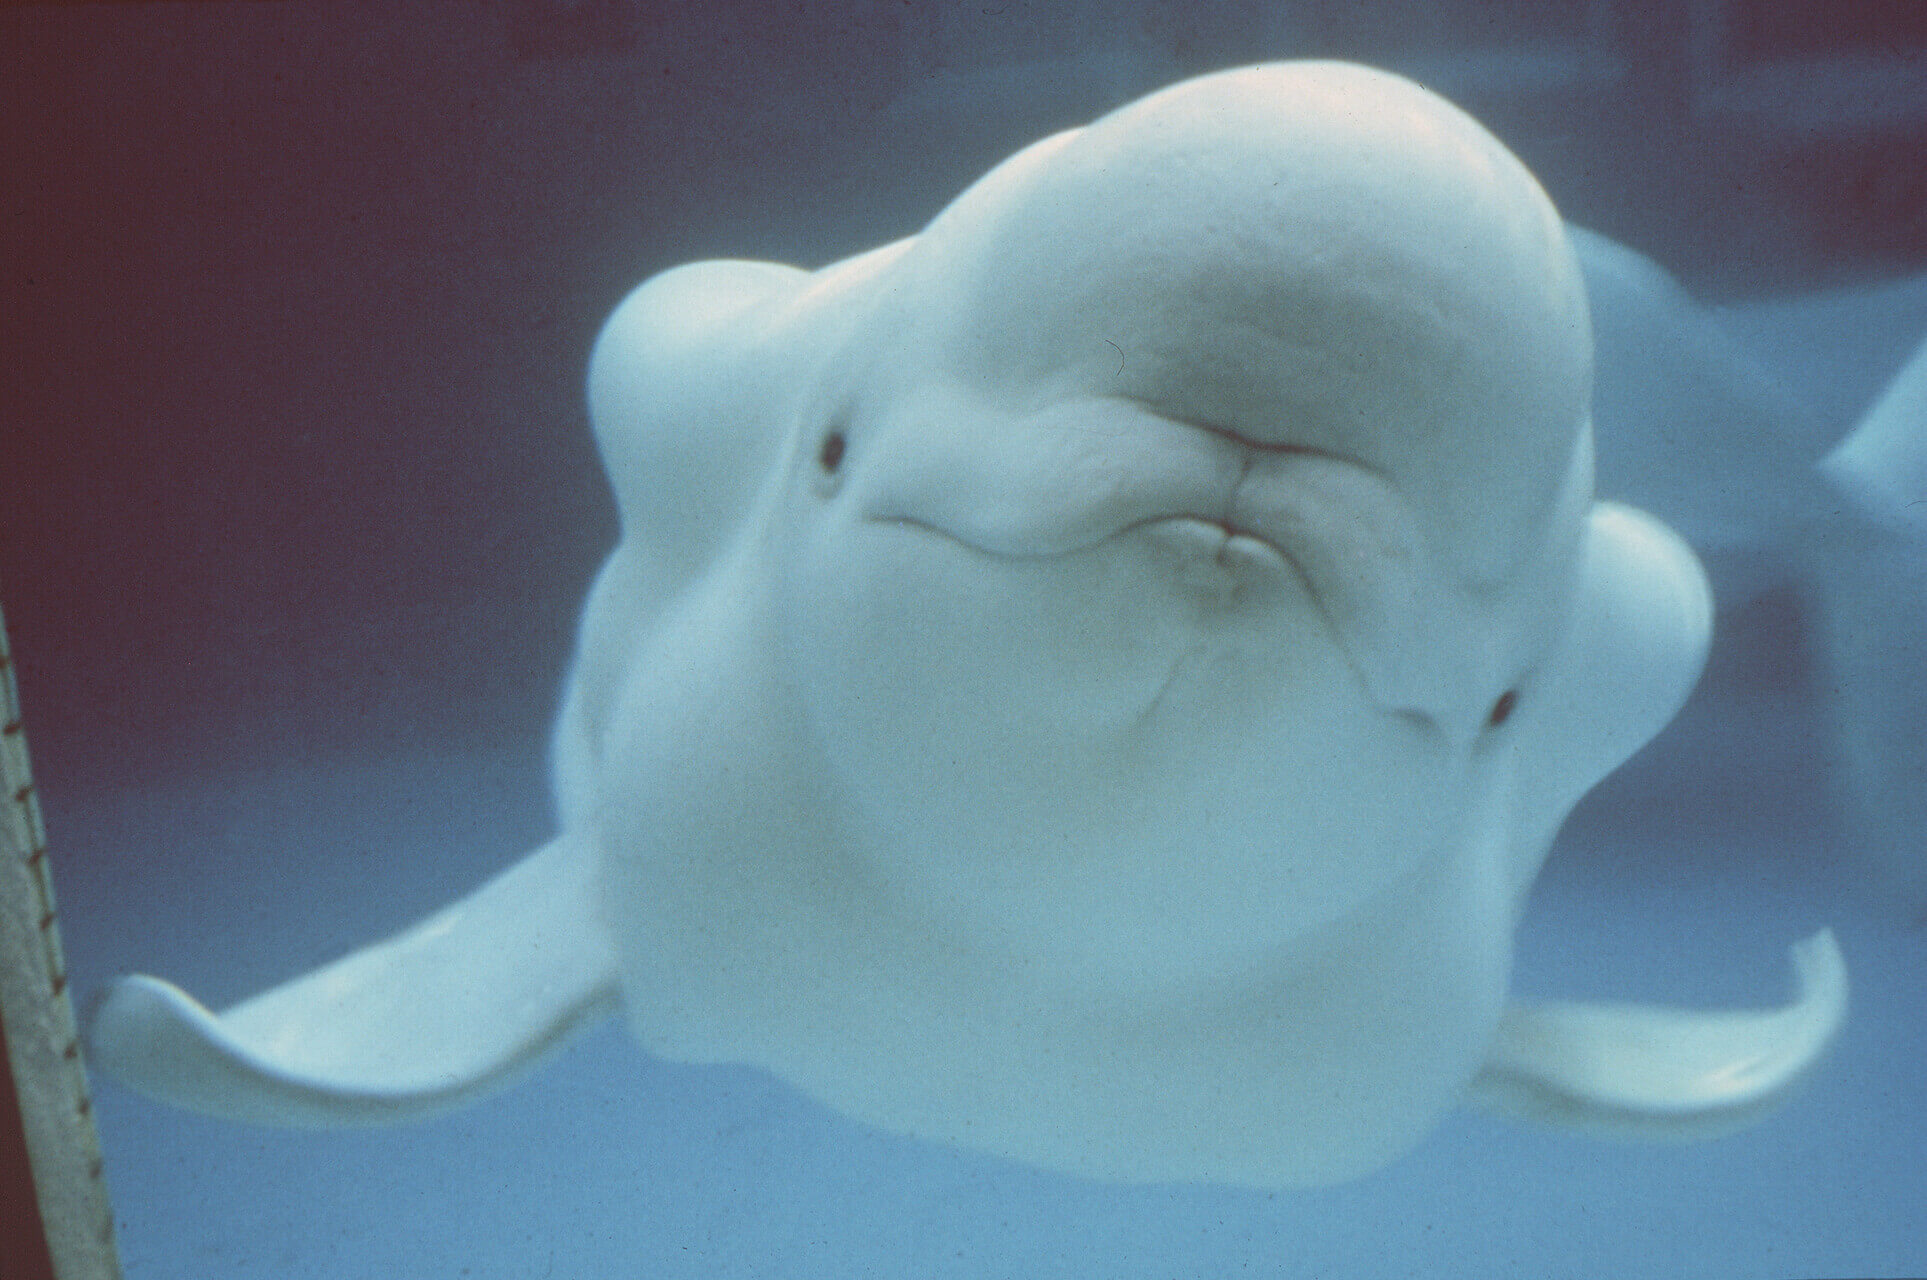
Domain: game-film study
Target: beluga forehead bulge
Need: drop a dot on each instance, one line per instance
(1092, 682)
(1332, 259)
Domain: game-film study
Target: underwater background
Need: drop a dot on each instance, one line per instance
(298, 503)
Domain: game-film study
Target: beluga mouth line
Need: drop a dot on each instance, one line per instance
(1225, 539)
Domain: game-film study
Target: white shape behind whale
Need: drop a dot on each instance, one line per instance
(1882, 465)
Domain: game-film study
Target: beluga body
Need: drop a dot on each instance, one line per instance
(1093, 681)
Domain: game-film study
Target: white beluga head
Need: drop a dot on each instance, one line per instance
(1195, 471)
(1092, 682)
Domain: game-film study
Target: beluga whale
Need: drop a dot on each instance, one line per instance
(1092, 682)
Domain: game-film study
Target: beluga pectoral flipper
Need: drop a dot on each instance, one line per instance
(438, 1015)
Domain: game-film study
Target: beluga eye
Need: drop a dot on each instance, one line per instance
(1502, 709)
(829, 455)
(828, 477)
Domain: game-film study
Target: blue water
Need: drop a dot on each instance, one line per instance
(298, 502)
(608, 1163)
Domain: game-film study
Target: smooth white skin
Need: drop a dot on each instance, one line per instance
(1093, 682)
(1117, 704)
(1882, 465)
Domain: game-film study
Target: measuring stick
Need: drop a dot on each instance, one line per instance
(49, 1084)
